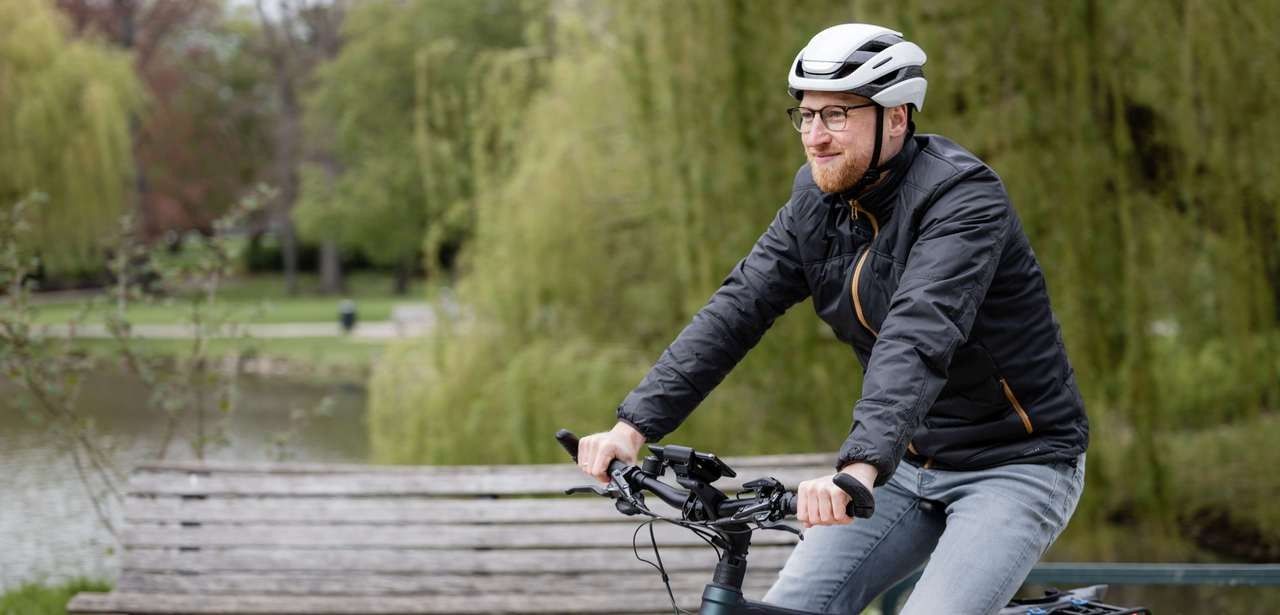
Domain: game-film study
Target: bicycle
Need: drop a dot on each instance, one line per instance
(727, 523)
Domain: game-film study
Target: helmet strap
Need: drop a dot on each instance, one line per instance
(873, 171)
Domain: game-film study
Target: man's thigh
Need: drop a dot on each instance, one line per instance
(998, 524)
(841, 568)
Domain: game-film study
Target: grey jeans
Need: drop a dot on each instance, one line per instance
(982, 531)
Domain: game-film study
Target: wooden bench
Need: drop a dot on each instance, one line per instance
(354, 539)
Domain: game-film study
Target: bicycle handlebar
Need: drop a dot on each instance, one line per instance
(862, 503)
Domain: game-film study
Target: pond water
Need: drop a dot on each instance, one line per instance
(48, 530)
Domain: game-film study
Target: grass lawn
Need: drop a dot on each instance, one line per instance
(250, 299)
(305, 358)
(36, 599)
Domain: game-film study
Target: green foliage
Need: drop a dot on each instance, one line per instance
(489, 416)
(1218, 470)
(1134, 156)
(398, 101)
(604, 208)
(64, 130)
(37, 599)
(651, 150)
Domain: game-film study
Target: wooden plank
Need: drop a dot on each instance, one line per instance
(431, 561)
(374, 510)
(530, 480)
(516, 604)
(507, 536)
(754, 461)
(366, 584)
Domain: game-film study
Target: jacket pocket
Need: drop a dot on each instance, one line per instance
(1017, 405)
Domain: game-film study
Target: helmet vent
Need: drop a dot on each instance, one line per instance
(846, 70)
(887, 78)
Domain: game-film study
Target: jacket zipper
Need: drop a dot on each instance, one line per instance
(1017, 407)
(857, 269)
(857, 302)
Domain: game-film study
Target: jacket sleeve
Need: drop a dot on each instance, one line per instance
(946, 277)
(762, 286)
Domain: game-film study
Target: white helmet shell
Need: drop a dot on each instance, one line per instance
(862, 59)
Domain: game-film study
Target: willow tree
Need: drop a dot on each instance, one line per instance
(1135, 140)
(629, 158)
(396, 100)
(64, 131)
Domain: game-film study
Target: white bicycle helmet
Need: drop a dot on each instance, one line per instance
(866, 60)
(862, 59)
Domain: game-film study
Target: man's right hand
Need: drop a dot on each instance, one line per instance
(595, 451)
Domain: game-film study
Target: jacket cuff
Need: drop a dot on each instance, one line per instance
(881, 450)
(852, 453)
(628, 416)
(636, 427)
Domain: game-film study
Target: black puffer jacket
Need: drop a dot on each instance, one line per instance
(931, 280)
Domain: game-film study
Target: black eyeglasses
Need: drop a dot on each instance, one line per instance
(834, 117)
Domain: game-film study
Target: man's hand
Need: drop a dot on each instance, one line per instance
(820, 502)
(595, 451)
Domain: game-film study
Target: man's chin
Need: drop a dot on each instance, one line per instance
(833, 180)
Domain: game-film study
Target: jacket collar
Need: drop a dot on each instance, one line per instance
(877, 198)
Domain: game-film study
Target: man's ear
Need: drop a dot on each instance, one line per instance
(896, 120)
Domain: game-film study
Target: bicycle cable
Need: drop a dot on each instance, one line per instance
(666, 579)
(699, 529)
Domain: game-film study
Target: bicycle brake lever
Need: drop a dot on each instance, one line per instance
(784, 528)
(608, 492)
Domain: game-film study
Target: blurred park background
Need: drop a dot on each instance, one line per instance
(531, 198)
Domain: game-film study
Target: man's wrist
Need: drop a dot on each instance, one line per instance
(628, 431)
(864, 472)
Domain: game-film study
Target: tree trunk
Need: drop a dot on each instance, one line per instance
(288, 144)
(331, 281)
(404, 271)
(288, 248)
(288, 135)
(127, 12)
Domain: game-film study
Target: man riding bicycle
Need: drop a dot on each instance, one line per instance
(970, 426)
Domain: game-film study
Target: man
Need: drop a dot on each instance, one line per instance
(913, 255)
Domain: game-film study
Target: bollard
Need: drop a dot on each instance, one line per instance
(347, 315)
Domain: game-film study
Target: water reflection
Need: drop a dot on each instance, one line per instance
(48, 530)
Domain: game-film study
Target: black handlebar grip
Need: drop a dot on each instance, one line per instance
(569, 442)
(863, 504)
(790, 501)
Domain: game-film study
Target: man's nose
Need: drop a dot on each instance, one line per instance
(816, 133)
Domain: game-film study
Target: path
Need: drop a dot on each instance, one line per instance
(407, 320)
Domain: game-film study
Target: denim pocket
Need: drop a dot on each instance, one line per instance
(1073, 487)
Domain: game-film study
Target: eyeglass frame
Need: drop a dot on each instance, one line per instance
(819, 114)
